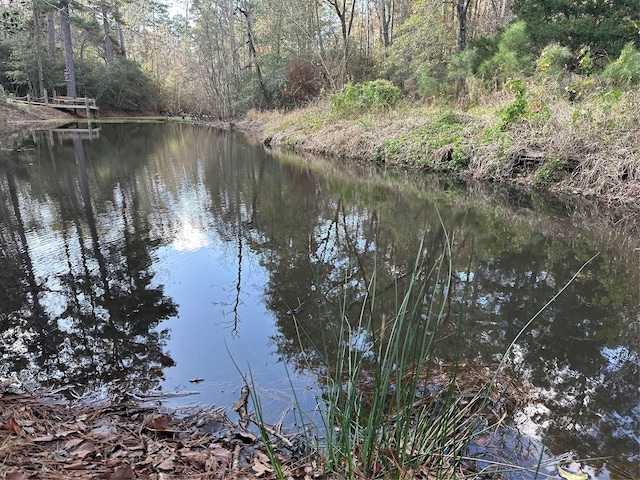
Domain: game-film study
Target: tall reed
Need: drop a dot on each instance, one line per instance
(380, 417)
(383, 416)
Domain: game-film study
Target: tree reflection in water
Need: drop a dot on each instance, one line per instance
(82, 224)
(89, 316)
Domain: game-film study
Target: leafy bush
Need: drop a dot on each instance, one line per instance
(120, 85)
(519, 107)
(553, 61)
(585, 61)
(376, 95)
(626, 69)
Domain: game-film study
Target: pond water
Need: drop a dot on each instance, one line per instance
(152, 255)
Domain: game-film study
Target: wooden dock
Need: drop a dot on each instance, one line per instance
(70, 104)
(71, 131)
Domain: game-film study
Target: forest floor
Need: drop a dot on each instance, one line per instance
(44, 436)
(19, 116)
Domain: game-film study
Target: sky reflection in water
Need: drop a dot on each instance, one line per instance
(159, 254)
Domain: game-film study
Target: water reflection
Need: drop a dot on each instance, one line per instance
(152, 254)
(78, 307)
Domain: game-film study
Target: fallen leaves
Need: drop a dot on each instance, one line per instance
(12, 426)
(162, 423)
(42, 439)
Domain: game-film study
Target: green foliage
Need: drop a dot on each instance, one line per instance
(519, 107)
(602, 24)
(460, 157)
(553, 61)
(462, 65)
(372, 96)
(549, 171)
(419, 47)
(428, 85)
(585, 61)
(370, 424)
(11, 22)
(512, 58)
(120, 85)
(626, 69)
(447, 121)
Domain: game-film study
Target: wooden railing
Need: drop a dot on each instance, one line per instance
(60, 102)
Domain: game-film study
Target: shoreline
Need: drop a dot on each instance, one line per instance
(368, 140)
(138, 421)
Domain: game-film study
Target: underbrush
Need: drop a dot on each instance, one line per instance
(520, 134)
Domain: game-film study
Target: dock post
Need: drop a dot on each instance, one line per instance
(86, 106)
(46, 97)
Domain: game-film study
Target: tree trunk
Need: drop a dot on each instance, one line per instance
(254, 54)
(51, 30)
(70, 72)
(345, 15)
(462, 12)
(36, 23)
(108, 45)
(123, 51)
(385, 9)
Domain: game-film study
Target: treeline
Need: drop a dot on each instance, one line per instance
(223, 57)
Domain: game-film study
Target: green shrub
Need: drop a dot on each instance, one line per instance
(626, 69)
(549, 171)
(120, 85)
(553, 61)
(462, 65)
(585, 61)
(511, 59)
(447, 121)
(519, 107)
(460, 157)
(428, 85)
(376, 95)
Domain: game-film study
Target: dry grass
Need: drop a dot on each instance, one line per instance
(590, 147)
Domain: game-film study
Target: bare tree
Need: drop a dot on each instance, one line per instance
(346, 12)
(246, 12)
(385, 13)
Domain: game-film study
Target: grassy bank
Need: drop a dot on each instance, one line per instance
(532, 134)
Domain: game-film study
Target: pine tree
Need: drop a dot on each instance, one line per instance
(603, 25)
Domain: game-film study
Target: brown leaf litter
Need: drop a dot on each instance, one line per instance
(46, 437)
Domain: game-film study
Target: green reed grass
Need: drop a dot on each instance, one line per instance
(392, 428)
(379, 418)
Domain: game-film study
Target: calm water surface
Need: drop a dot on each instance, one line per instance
(159, 254)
